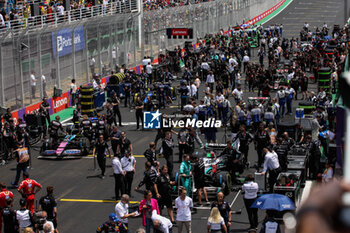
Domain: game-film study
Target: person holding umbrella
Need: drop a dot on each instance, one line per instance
(271, 165)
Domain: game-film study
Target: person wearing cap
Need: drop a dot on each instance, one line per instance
(24, 216)
(22, 158)
(113, 225)
(4, 196)
(28, 188)
(271, 165)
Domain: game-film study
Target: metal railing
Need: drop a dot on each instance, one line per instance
(54, 19)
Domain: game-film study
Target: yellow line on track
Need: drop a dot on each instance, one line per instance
(96, 201)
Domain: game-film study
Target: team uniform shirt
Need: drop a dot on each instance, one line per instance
(23, 217)
(256, 114)
(210, 78)
(250, 190)
(238, 94)
(216, 226)
(149, 69)
(121, 210)
(127, 163)
(271, 161)
(4, 196)
(28, 186)
(22, 155)
(117, 167)
(107, 227)
(269, 116)
(9, 219)
(48, 204)
(224, 209)
(281, 94)
(289, 92)
(183, 209)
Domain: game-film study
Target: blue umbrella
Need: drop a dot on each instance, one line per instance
(273, 202)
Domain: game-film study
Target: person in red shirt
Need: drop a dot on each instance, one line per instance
(28, 188)
(4, 196)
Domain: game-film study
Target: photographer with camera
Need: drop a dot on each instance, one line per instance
(42, 223)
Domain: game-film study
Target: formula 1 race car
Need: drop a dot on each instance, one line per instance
(67, 147)
(216, 175)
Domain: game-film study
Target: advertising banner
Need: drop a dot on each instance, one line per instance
(64, 41)
(60, 103)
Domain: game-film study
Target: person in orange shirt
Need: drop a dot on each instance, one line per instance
(4, 196)
(28, 188)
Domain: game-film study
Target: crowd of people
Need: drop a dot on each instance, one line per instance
(224, 63)
(56, 10)
(26, 218)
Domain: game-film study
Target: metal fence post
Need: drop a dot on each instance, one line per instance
(110, 56)
(57, 61)
(2, 77)
(21, 71)
(99, 50)
(86, 55)
(73, 52)
(29, 68)
(40, 66)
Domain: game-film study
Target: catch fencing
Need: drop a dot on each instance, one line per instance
(101, 43)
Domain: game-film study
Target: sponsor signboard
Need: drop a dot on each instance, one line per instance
(64, 41)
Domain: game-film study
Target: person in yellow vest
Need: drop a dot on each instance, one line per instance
(22, 157)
